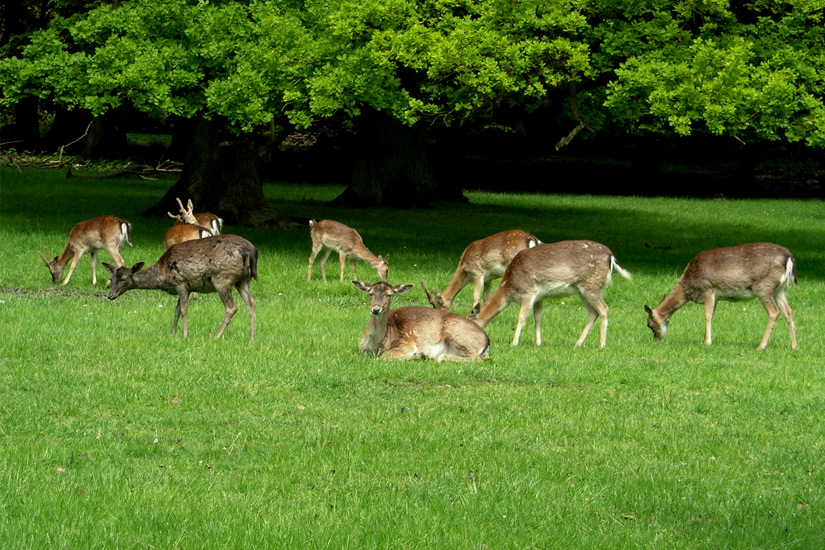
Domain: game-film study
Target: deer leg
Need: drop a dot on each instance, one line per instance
(527, 302)
(115, 254)
(488, 288)
(352, 264)
(595, 308)
(785, 308)
(75, 259)
(177, 315)
(710, 309)
(773, 315)
(538, 310)
(324, 257)
(93, 256)
(478, 289)
(231, 308)
(246, 296)
(312, 256)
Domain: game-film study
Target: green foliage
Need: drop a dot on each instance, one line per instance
(762, 80)
(115, 434)
(753, 70)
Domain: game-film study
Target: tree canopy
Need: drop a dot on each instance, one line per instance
(748, 69)
(753, 70)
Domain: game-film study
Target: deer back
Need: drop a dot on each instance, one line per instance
(205, 264)
(210, 221)
(435, 331)
(182, 232)
(736, 268)
(584, 264)
(492, 254)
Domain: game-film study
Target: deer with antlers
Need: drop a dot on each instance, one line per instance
(554, 270)
(417, 331)
(737, 273)
(107, 233)
(328, 236)
(211, 264)
(188, 227)
(204, 219)
(482, 262)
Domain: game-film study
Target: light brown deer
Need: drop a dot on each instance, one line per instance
(481, 263)
(182, 232)
(554, 270)
(744, 272)
(104, 233)
(211, 264)
(204, 219)
(418, 331)
(328, 235)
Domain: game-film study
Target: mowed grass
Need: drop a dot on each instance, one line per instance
(115, 434)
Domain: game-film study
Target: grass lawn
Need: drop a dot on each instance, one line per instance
(115, 434)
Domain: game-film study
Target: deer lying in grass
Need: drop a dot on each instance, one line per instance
(481, 263)
(418, 331)
(212, 264)
(328, 235)
(744, 272)
(204, 219)
(104, 233)
(552, 271)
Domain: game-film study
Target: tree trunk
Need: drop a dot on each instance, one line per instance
(391, 166)
(222, 177)
(106, 138)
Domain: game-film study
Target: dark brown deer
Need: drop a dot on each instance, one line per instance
(329, 235)
(744, 272)
(418, 331)
(554, 270)
(104, 233)
(212, 264)
(481, 263)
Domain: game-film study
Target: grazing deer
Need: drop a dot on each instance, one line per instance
(418, 331)
(204, 219)
(482, 262)
(103, 233)
(744, 272)
(552, 271)
(328, 235)
(211, 264)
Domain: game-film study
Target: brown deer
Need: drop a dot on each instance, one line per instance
(328, 235)
(104, 233)
(211, 264)
(554, 270)
(744, 272)
(182, 232)
(481, 263)
(204, 219)
(418, 331)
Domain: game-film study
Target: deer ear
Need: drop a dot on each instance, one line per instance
(109, 267)
(401, 289)
(137, 267)
(363, 287)
(648, 310)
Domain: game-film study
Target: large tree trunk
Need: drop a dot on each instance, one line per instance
(391, 166)
(221, 177)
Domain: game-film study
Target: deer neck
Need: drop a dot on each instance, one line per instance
(455, 285)
(492, 307)
(375, 332)
(148, 279)
(672, 302)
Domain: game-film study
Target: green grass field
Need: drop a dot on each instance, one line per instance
(113, 434)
